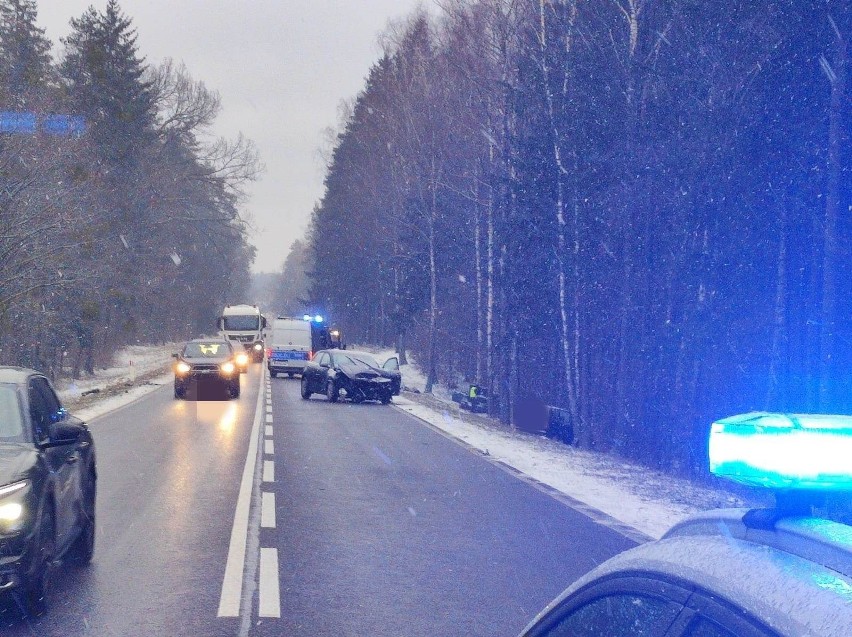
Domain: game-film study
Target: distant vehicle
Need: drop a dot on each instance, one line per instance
(290, 346)
(204, 363)
(48, 482)
(353, 375)
(777, 572)
(244, 324)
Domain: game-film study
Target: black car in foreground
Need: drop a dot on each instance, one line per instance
(350, 374)
(47, 486)
(207, 363)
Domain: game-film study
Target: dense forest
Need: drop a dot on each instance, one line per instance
(635, 210)
(119, 209)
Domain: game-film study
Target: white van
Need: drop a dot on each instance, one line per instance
(288, 346)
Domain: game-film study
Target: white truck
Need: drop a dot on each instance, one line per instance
(244, 325)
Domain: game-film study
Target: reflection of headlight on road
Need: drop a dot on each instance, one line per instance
(242, 359)
(182, 368)
(258, 347)
(227, 368)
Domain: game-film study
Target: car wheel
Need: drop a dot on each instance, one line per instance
(33, 594)
(83, 549)
(332, 392)
(306, 393)
(386, 398)
(180, 392)
(235, 390)
(357, 397)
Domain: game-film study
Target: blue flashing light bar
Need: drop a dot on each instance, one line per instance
(810, 452)
(318, 318)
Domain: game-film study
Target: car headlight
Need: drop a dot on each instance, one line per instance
(242, 359)
(227, 368)
(12, 501)
(182, 368)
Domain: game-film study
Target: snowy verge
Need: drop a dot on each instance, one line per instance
(646, 500)
(136, 371)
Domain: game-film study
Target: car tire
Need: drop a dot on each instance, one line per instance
(306, 393)
(33, 593)
(83, 548)
(235, 390)
(386, 398)
(332, 392)
(180, 392)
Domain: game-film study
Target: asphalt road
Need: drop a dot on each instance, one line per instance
(355, 520)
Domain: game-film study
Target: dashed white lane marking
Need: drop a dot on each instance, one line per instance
(267, 510)
(269, 471)
(232, 582)
(269, 601)
(268, 430)
(268, 447)
(269, 409)
(268, 417)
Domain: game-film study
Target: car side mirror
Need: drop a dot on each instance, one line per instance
(65, 432)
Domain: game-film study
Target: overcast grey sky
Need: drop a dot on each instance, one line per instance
(282, 68)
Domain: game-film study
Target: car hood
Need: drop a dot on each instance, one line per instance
(16, 462)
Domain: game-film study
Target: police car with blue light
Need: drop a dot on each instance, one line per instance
(779, 572)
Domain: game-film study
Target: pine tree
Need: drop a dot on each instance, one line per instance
(25, 63)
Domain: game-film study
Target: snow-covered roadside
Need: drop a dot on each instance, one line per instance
(646, 500)
(137, 370)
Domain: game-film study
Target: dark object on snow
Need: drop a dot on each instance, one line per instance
(89, 392)
(476, 400)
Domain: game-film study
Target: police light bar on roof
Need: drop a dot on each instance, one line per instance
(784, 451)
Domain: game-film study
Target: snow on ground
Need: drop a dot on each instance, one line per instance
(646, 500)
(136, 371)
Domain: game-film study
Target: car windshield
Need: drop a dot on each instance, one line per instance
(241, 323)
(364, 358)
(11, 422)
(212, 349)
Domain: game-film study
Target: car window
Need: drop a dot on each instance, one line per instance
(11, 423)
(206, 350)
(44, 407)
(364, 358)
(323, 359)
(618, 615)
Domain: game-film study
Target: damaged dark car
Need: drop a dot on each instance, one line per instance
(346, 374)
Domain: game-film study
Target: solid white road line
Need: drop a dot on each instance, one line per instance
(267, 510)
(268, 430)
(268, 447)
(269, 600)
(269, 471)
(232, 582)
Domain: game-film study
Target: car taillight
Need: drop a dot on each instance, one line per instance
(310, 356)
(268, 352)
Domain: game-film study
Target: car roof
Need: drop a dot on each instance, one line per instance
(795, 578)
(15, 374)
(213, 339)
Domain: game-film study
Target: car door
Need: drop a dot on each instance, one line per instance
(319, 371)
(63, 461)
